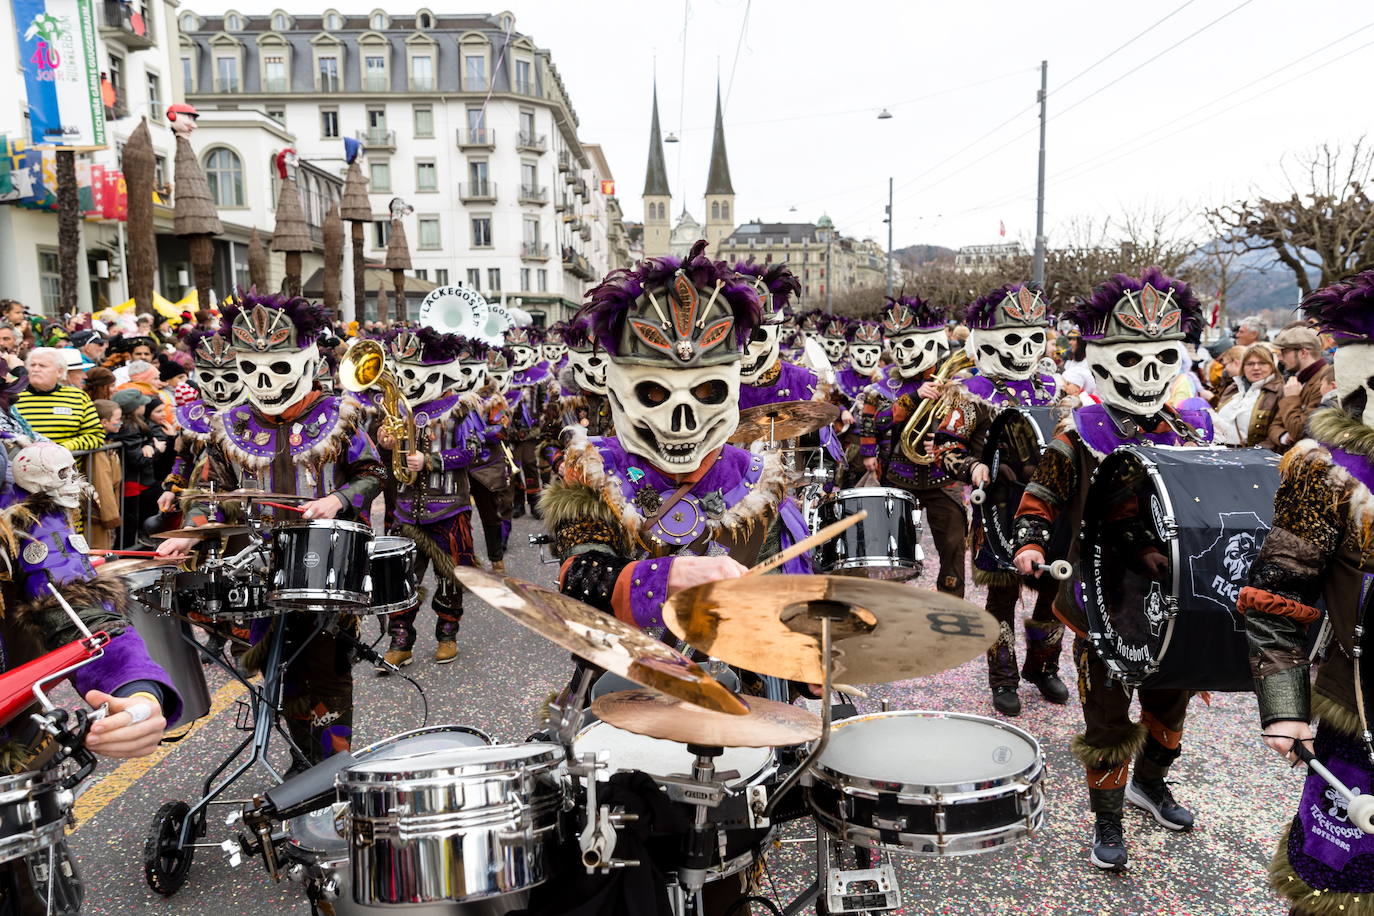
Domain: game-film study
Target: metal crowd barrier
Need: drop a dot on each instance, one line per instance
(86, 515)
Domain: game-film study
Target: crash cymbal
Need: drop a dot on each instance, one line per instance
(766, 724)
(206, 531)
(785, 420)
(601, 639)
(113, 569)
(217, 496)
(888, 631)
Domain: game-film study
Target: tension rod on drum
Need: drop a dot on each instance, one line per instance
(827, 611)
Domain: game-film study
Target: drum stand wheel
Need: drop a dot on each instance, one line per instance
(166, 861)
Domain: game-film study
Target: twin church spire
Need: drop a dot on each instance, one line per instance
(720, 192)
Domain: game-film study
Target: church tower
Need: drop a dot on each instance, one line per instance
(657, 197)
(720, 194)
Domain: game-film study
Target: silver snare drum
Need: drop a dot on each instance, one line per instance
(33, 814)
(929, 783)
(456, 825)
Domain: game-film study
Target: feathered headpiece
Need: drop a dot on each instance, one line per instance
(263, 324)
(836, 328)
(209, 349)
(577, 337)
(556, 333)
(775, 285)
(683, 312)
(812, 321)
(1149, 307)
(523, 337)
(912, 313)
(1016, 305)
(1344, 309)
(868, 332)
(498, 360)
(472, 350)
(424, 347)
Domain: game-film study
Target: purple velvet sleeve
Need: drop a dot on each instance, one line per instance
(648, 590)
(793, 530)
(468, 432)
(126, 660)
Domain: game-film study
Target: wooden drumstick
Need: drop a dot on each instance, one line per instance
(805, 544)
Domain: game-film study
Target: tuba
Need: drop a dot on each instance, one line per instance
(364, 367)
(931, 411)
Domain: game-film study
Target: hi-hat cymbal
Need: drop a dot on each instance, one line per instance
(784, 420)
(766, 724)
(219, 496)
(206, 531)
(113, 569)
(890, 631)
(601, 639)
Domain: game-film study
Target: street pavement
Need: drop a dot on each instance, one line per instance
(1241, 794)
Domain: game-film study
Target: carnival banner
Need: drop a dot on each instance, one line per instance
(61, 74)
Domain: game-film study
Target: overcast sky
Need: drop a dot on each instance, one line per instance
(1185, 126)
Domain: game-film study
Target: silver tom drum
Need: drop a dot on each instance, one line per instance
(33, 814)
(885, 545)
(459, 825)
(320, 565)
(929, 783)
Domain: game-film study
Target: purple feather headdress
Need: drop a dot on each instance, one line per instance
(472, 350)
(1344, 309)
(1149, 307)
(423, 347)
(682, 311)
(1012, 305)
(912, 313)
(577, 337)
(556, 332)
(778, 281)
(263, 323)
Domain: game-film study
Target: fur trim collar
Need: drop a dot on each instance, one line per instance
(1360, 500)
(1334, 427)
(348, 415)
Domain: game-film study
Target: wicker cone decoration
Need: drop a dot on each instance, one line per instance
(398, 262)
(333, 260)
(140, 170)
(257, 262)
(357, 210)
(195, 218)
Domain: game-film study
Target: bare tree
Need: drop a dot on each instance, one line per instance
(1325, 224)
(861, 302)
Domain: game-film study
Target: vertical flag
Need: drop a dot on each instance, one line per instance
(57, 52)
(1002, 228)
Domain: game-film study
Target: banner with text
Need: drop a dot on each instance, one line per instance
(61, 74)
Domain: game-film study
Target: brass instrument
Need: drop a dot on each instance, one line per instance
(931, 411)
(364, 367)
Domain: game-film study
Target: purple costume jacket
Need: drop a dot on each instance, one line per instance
(1100, 435)
(851, 382)
(884, 408)
(453, 436)
(193, 420)
(1023, 392)
(793, 383)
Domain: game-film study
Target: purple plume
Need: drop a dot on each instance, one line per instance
(778, 278)
(1091, 314)
(575, 335)
(308, 317)
(982, 312)
(1344, 309)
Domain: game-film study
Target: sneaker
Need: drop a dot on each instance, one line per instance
(1154, 796)
(1109, 845)
(397, 657)
(1051, 688)
(446, 651)
(1006, 701)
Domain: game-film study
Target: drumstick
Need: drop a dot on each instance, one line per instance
(129, 553)
(805, 544)
(263, 502)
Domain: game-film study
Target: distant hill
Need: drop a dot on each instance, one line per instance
(913, 256)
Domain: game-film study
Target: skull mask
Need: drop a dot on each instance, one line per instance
(673, 417)
(275, 380)
(421, 383)
(472, 374)
(589, 369)
(522, 357)
(50, 470)
(916, 351)
(552, 352)
(1355, 380)
(1136, 376)
(1009, 353)
(760, 352)
(835, 348)
(221, 387)
(864, 356)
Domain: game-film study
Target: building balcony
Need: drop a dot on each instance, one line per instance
(534, 251)
(377, 138)
(524, 87)
(569, 177)
(477, 192)
(577, 265)
(128, 23)
(375, 83)
(533, 194)
(475, 84)
(280, 84)
(560, 204)
(422, 84)
(476, 138)
(531, 143)
(585, 233)
(326, 83)
(564, 160)
(573, 223)
(228, 85)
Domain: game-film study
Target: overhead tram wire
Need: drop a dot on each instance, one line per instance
(734, 64)
(1123, 46)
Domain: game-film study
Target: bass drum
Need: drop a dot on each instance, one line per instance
(1208, 511)
(1016, 440)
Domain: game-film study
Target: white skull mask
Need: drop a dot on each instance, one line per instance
(522, 357)
(1009, 353)
(1136, 376)
(760, 353)
(421, 384)
(275, 380)
(47, 469)
(864, 356)
(835, 348)
(916, 351)
(500, 380)
(673, 418)
(220, 387)
(1355, 380)
(589, 369)
(551, 353)
(472, 374)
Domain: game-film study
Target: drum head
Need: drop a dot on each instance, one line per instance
(451, 763)
(628, 751)
(388, 545)
(423, 741)
(1015, 443)
(928, 750)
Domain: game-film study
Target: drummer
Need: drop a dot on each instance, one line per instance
(291, 438)
(1134, 329)
(583, 401)
(1007, 329)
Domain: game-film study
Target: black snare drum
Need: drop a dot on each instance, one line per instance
(1208, 511)
(320, 565)
(885, 545)
(393, 575)
(1016, 440)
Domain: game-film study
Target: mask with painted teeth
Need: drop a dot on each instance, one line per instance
(276, 379)
(1008, 353)
(589, 369)
(672, 417)
(760, 353)
(1136, 376)
(916, 351)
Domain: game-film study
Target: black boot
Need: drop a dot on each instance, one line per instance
(1109, 842)
(518, 510)
(1006, 701)
(1002, 673)
(1148, 790)
(1051, 688)
(534, 505)
(1043, 641)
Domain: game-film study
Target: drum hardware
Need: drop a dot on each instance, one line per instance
(931, 411)
(541, 541)
(771, 423)
(598, 838)
(1059, 569)
(391, 569)
(854, 890)
(1360, 807)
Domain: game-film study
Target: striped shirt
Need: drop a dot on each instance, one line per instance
(65, 415)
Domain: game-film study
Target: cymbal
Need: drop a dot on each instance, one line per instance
(784, 420)
(891, 631)
(206, 531)
(217, 496)
(766, 724)
(113, 569)
(601, 639)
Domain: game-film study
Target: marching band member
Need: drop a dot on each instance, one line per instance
(857, 366)
(915, 333)
(1007, 329)
(493, 492)
(291, 438)
(1319, 549)
(583, 402)
(765, 377)
(529, 392)
(439, 375)
(1134, 330)
(221, 386)
(554, 349)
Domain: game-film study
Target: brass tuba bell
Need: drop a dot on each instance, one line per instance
(364, 367)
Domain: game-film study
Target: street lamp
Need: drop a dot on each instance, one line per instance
(884, 115)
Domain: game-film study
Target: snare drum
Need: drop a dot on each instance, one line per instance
(393, 575)
(320, 565)
(929, 783)
(33, 814)
(885, 545)
(458, 825)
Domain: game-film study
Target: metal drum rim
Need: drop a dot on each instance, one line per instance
(310, 598)
(872, 563)
(762, 774)
(375, 746)
(378, 547)
(326, 524)
(868, 492)
(870, 837)
(548, 757)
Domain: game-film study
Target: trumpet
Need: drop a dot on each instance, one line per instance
(364, 367)
(931, 411)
